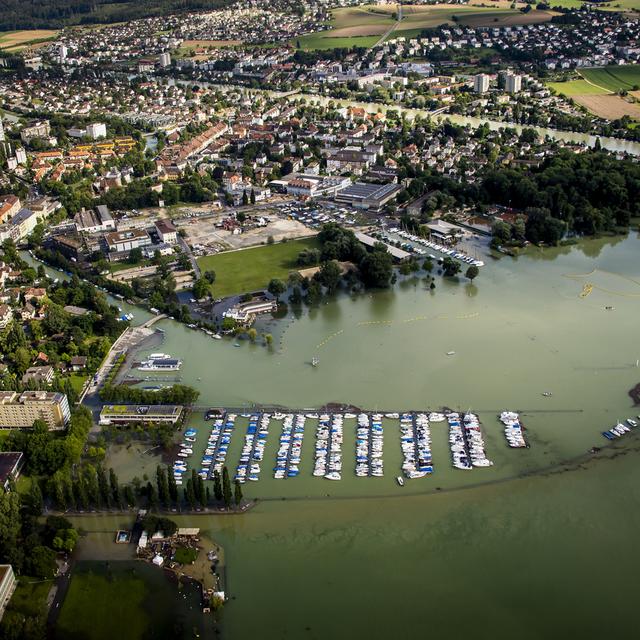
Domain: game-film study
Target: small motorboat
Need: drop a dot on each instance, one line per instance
(400, 481)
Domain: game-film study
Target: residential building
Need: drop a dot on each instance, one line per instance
(2, 136)
(121, 241)
(97, 130)
(164, 60)
(10, 466)
(135, 413)
(7, 586)
(21, 410)
(41, 375)
(481, 83)
(34, 130)
(6, 315)
(513, 84)
(95, 221)
(167, 232)
(21, 155)
(9, 206)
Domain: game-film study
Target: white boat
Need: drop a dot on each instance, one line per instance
(451, 353)
(400, 481)
(159, 356)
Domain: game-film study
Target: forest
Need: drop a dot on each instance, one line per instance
(55, 14)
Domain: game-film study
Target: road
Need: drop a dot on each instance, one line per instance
(126, 343)
(194, 263)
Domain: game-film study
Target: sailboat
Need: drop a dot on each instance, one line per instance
(315, 361)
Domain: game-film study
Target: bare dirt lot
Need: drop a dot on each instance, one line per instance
(202, 231)
(611, 107)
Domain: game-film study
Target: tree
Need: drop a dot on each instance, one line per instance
(450, 266)
(200, 289)
(173, 487)
(115, 488)
(41, 562)
(163, 485)
(237, 497)
(217, 486)
(103, 486)
(472, 272)
(210, 276)
(65, 540)
(135, 256)
(376, 268)
(226, 487)
(276, 288)
(330, 275)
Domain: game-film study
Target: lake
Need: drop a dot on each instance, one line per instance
(539, 545)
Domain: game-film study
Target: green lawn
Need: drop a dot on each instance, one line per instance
(576, 88)
(614, 78)
(77, 381)
(104, 607)
(30, 596)
(185, 556)
(251, 269)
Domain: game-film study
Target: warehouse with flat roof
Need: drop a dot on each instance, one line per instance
(140, 413)
(364, 195)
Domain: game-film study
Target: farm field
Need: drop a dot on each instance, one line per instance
(617, 5)
(16, 40)
(364, 26)
(572, 88)
(324, 40)
(251, 269)
(611, 107)
(597, 92)
(614, 78)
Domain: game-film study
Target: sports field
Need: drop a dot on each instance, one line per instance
(251, 269)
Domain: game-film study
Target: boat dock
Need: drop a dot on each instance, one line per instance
(466, 442)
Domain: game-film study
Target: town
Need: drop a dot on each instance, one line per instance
(220, 220)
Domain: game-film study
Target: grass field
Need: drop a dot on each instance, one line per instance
(614, 78)
(251, 269)
(102, 608)
(572, 88)
(324, 40)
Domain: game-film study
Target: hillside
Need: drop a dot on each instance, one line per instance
(53, 14)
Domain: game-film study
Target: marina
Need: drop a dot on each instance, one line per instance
(290, 447)
(253, 448)
(621, 429)
(367, 429)
(513, 430)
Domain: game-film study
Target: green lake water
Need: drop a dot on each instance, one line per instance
(540, 545)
